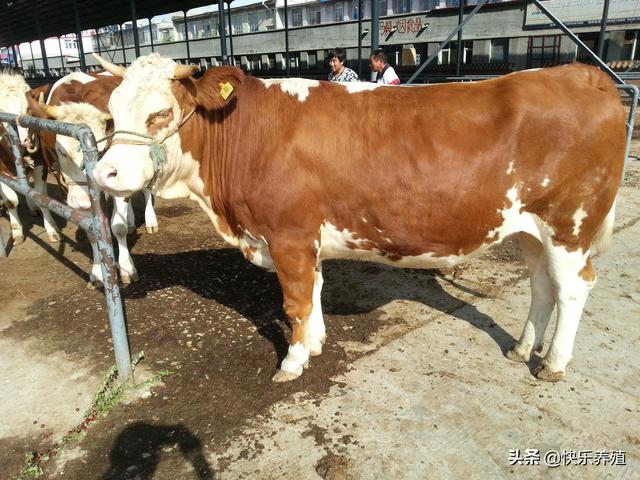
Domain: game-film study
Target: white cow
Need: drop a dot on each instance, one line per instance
(13, 99)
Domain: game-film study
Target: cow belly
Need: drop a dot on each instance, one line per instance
(256, 250)
(336, 243)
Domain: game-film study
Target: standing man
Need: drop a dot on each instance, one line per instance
(340, 73)
(386, 74)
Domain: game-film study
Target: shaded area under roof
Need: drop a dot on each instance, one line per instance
(29, 20)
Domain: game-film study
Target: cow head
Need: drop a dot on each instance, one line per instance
(68, 150)
(13, 98)
(155, 99)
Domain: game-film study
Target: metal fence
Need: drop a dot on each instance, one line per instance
(94, 223)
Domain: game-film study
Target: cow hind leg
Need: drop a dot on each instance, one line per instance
(11, 201)
(316, 333)
(542, 301)
(573, 277)
(150, 220)
(296, 273)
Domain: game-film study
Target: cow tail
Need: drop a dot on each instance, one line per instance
(603, 236)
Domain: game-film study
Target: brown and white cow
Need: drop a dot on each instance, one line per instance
(297, 171)
(82, 98)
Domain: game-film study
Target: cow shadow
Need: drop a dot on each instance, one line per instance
(350, 288)
(137, 451)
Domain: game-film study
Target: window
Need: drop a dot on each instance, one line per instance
(401, 6)
(339, 12)
(236, 22)
(383, 8)
(314, 15)
(429, 4)
(499, 50)
(452, 3)
(296, 17)
(253, 22)
(543, 51)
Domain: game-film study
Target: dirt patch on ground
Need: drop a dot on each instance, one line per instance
(215, 321)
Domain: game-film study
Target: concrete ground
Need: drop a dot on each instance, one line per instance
(431, 396)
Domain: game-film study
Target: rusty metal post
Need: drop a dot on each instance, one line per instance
(96, 224)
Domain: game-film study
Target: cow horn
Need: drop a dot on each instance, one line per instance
(41, 98)
(116, 70)
(184, 71)
(50, 110)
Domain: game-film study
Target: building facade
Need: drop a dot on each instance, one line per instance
(503, 36)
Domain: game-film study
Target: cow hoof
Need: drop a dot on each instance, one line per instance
(128, 278)
(543, 373)
(152, 229)
(515, 356)
(95, 284)
(54, 237)
(18, 240)
(282, 376)
(315, 347)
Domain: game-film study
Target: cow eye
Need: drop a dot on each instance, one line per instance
(163, 113)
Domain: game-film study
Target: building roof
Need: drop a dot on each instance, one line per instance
(28, 20)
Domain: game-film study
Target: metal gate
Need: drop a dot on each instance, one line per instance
(94, 223)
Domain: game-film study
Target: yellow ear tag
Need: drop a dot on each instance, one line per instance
(225, 90)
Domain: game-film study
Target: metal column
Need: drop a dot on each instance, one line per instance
(186, 35)
(603, 28)
(124, 54)
(232, 61)
(151, 35)
(286, 37)
(61, 55)
(459, 56)
(375, 31)
(76, 14)
(223, 34)
(360, 38)
(134, 20)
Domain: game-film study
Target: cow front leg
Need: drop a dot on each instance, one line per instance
(150, 220)
(296, 273)
(40, 185)
(128, 272)
(95, 277)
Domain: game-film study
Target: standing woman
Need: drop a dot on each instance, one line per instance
(340, 73)
(386, 74)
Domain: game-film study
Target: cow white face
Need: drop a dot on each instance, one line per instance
(144, 104)
(68, 149)
(13, 90)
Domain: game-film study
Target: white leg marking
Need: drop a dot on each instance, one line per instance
(316, 333)
(150, 220)
(295, 360)
(128, 272)
(49, 224)
(571, 292)
(11, 201)
(95, 278)
(131, 217)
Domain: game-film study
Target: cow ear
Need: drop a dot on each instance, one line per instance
(217, 87)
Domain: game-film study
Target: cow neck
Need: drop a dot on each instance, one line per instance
(207, 138)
